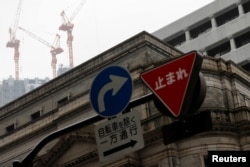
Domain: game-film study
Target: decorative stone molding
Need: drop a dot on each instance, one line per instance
(63, 145)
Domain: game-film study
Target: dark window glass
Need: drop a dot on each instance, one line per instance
(35, 115)
(246, 67)
(195, 32)
(226, 17)
(10, 128)
(177, 40)
(63, 100)
(220, 50)
(246, 7)
(242, 39)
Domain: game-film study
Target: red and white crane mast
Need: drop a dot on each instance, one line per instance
(13, 42)
(68, 26)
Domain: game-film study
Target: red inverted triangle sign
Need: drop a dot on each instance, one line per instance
(169, 82)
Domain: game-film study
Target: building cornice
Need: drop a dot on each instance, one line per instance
(225, 68)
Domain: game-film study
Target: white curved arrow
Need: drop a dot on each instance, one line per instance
(116, 83)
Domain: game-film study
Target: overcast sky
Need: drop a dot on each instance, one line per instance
(99, 25)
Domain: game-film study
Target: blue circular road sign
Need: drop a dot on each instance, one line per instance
(111, 91)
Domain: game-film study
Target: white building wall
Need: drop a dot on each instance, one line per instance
(216, 35)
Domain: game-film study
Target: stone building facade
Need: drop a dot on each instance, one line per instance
(65, 100)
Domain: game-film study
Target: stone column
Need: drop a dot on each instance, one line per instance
(187, 34)
(213, 22)
(240, 8)
(232, 43)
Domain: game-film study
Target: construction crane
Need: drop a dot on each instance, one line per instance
(13, 42)
(55, 48)
(68, 26)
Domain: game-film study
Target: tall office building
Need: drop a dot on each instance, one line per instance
(219, 29)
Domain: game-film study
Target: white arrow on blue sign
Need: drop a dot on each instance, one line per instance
(111, 91)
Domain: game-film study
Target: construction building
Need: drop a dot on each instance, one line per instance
(11, 89)
(219, 29)
(65, 100)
